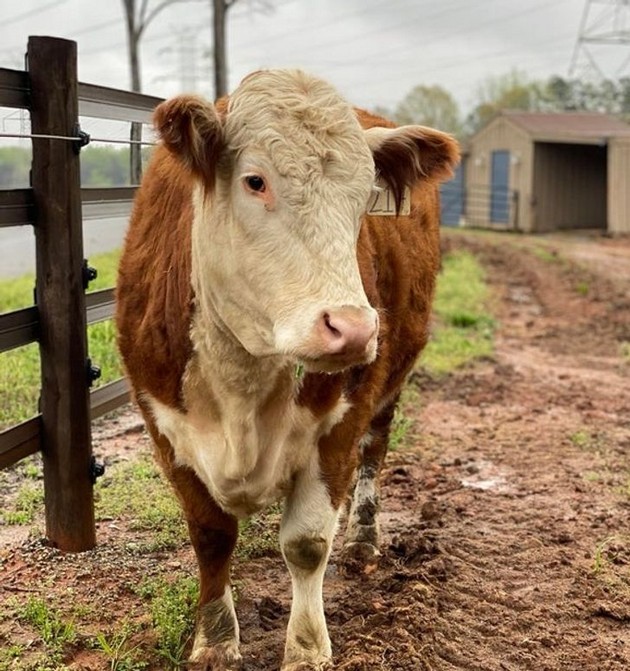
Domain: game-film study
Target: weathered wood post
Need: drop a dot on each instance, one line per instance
(65, 403)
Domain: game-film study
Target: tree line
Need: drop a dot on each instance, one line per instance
(100, 166)
(435, 106)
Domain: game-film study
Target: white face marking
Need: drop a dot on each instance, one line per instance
(270, 262)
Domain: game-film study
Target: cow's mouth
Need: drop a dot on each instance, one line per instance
(336, 363)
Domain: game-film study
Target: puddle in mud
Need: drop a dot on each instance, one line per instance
(484, 475)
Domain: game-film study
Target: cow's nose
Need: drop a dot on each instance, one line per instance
(348, 330)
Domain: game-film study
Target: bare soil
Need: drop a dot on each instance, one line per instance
(506, 517)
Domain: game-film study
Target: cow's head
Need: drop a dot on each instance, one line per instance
(283, 176)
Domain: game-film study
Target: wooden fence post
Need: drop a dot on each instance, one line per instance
(65, 402)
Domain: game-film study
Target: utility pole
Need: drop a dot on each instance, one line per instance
(604, 23)
(219, 20)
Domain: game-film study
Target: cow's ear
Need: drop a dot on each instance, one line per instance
(408, 154)
(190, 128)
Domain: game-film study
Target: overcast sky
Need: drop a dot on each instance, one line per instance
(374, 51)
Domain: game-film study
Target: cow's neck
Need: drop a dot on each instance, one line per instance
(246, 407)
(228, 365)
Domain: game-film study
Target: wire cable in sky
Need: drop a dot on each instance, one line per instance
(32, 12)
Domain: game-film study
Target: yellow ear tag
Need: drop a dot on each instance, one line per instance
(383, 204)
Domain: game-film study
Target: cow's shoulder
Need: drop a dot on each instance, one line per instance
(154, 292)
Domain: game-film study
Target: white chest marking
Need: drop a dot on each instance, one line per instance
(244, 462)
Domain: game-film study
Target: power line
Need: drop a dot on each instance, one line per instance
(32, 12)
(495, 21)
(98, 26)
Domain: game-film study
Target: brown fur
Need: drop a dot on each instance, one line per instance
(154, 295)
(190, 127)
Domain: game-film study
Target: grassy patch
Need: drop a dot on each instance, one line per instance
(137, 492)
(119, 649)
(624, 350)
(545, 254)
(585, 440)
(173, 606)
(399, 429)
(464, 327)
(29, 500)
(611, 564)
(20, 376)
(582, 288)
(258, 534)
(54, 631)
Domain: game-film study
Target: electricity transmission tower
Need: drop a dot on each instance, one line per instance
(602, 49)
(188, 56)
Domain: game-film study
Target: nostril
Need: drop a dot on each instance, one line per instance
(330, 326)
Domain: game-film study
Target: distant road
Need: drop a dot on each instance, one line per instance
(17, 244)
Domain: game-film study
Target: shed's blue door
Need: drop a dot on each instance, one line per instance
(500, 187)
(452, 199)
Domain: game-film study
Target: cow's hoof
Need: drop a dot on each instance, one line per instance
(359, 558)
(216, 658)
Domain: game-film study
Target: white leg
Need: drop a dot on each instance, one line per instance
(363, 524)
(308, 527)
(362, 531)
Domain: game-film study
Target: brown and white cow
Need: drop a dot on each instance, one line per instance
(267, 323)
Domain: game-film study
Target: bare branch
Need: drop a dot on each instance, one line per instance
(142, 15)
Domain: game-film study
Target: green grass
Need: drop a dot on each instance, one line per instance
(585, 440)
(20, 368)
(258, 534)
(120, 651)
(55, 632)
(464, 327)
(29, 500)
(610, 564)
(545, 254)
(137, 492)
(173, 605)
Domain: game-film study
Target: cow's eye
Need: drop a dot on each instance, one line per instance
(255, 183)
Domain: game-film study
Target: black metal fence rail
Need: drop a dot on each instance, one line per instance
(55, 206)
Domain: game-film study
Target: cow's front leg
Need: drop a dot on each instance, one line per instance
(216, 642)
(213, 534)
(308, 526)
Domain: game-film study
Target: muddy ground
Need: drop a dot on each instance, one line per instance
(506, 516)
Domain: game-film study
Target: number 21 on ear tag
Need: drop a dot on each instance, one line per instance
(383, 204)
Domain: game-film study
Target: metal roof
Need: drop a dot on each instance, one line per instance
(585, 125)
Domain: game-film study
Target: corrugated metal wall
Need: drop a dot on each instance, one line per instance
(619, 185)
(569, 186)
(500, 134)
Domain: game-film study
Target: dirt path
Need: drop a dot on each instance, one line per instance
(506, 519)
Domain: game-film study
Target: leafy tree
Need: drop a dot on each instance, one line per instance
(104, 166)
(15, 164)
(512, 90)
(430, 106)
(560, 93)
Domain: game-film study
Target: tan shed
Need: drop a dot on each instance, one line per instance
(538, 172)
